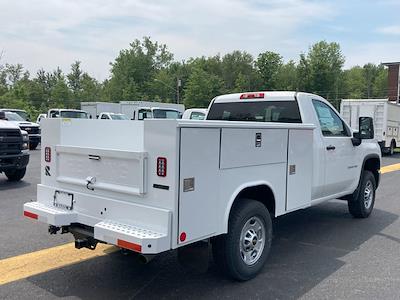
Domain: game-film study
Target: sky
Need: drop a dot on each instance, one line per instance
(50, 33)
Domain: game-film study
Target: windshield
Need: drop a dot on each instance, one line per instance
(13, 116)
(166, 114)
(118, 117)
(260, 111)
(21, 113)
(74, 114)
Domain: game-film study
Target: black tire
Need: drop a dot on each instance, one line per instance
(391, 149)
(227, 248)
(15, 175)
(361, 207)
(33, 146)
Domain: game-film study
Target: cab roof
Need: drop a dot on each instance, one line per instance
(256, 96)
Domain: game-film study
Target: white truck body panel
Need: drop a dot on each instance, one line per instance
(124, 193)
(386, 117)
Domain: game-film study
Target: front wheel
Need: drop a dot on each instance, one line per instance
(243, 251)
(33, 145)
(15, 175)
(362, 206)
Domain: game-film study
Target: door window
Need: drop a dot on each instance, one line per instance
(331, 124)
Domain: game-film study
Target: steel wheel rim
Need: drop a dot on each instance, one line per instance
(368, 194)
(252, 240)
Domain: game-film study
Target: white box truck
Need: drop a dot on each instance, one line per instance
(96, 108)
(140, 110)
(386, 116)
(158, 185)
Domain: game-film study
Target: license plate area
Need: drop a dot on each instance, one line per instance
(63, 200)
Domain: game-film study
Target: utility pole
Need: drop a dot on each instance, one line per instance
(178, 85)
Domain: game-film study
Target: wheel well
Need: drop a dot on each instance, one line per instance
(373, 164)
(262, 193)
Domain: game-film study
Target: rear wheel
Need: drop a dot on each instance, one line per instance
(243, 251)
(392, 146)
(362, 206)
(15, 175)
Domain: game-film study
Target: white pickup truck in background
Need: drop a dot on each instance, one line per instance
(386, 116)
(158, 185)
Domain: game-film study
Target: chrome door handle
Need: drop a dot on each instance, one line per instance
(330, 147)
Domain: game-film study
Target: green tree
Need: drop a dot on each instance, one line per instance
(201, 88)
(134, 69)
(320, 70)
(286, 77)
(74, 79)
(268, 64)
(355, 84)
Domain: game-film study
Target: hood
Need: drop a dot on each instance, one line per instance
(8, 125)
(24, 123)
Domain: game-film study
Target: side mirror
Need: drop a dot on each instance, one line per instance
(366, 130)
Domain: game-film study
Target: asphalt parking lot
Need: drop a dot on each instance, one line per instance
(318, 253)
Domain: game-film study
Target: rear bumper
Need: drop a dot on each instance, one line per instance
(12, 162)
(122, 225)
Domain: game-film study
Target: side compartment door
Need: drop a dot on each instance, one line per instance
(300, 168)
(341, 159)
(198, 180)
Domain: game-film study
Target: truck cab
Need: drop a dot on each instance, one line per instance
(338, 159)
(33, 129)
(195, 114)
(67, 113)
(158, 113)
(14, 149)
(112, 116)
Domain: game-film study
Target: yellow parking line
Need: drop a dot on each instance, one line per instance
(390, 168)
(26, 265)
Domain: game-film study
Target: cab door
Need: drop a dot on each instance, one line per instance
(341, 162)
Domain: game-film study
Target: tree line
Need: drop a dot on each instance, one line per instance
(147, 71)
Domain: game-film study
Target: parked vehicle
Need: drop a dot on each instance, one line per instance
(386, 116)
(67, 113)
(112, 116)
(40, 117)
(32, 129)
(22, 113)
(174, 184)
(140, 110)
(14, 149)
(195, 114)
(96, 108)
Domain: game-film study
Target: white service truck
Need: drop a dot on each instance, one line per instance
(140, 110)
(159, 185)
(386, 116)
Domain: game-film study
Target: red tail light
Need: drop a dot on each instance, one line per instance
(252, 96)
(47, 154)
(162, 166)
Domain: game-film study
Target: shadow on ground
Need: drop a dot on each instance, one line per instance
(11, 185)
(308, 247)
